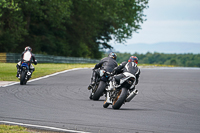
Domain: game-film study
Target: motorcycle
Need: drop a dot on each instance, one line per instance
(101, 82)
(123, 92)
(24, 73)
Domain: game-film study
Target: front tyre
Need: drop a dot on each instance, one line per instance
(120, 99)
(99, 91)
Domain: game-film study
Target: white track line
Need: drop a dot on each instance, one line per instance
(45, 76)
(43, 127)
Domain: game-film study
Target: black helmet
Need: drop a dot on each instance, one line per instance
(112, 55)
(28, 48)
(133, 59)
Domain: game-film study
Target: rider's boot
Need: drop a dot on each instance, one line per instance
(93, 79)
(91, 85)
(31, 71)
(17, 75)
(17, 71)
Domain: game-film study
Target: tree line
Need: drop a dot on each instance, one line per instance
(186, 60)
(77, 28)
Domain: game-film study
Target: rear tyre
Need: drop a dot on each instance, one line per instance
(22, 78)
(120, 99)
(99, 91)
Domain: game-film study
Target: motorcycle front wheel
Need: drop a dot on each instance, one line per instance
(99, 91)
(120, 99)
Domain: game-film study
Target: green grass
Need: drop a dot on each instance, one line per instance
(8, 71)
(12, 129)
(155, 65)
(20, 129)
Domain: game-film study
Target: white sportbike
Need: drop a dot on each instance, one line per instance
(118, 94)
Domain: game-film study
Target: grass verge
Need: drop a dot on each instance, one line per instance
(12, 129)
(19, 129)
(8, 71)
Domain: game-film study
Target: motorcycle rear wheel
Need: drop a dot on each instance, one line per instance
(120, 99)
(99, 91)
(22, 78)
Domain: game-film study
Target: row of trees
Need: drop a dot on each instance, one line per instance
(186, 60)
(78, 28)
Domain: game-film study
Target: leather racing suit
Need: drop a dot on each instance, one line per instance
(107, 64)
(130, 67)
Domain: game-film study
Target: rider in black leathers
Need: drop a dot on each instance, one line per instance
(107, 63)
(130, 66)
(27, 55)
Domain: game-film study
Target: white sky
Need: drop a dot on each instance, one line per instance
(169, 21)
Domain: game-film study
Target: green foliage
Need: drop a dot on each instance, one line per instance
(79, 28)
(186, 60)
(11, 25)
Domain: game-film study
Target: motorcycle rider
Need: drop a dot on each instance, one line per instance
(107, 63)
(130, 66)
(27, 55)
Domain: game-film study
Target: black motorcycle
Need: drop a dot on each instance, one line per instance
(101, 82)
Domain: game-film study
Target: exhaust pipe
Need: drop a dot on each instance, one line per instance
(132, 95)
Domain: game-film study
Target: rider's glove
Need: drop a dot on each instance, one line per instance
(35, 62)
(112, 74)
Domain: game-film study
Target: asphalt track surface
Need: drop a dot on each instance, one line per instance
(168, 102)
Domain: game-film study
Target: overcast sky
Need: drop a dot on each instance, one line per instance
(169, 21)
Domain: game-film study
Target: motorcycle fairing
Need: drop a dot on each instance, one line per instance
(127, 76)
(25, 65)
